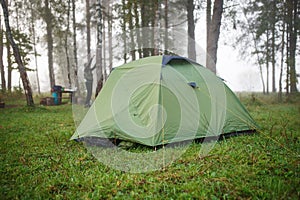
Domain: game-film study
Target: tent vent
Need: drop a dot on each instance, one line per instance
(193, 85)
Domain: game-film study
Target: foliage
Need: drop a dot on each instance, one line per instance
(268, 30)
(39, 162)
(25, 48)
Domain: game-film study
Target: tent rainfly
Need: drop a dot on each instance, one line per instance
(164, 99)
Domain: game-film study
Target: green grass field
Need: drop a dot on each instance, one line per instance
(39, 162)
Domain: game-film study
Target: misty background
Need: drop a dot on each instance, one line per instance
(240, 72)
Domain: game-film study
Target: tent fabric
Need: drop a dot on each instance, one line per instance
(149, 101)
(167, 58)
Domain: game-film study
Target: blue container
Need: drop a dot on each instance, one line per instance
(55, 96)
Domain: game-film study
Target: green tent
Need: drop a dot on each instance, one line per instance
(164, 99)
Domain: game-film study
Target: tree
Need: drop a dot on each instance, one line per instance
(208, 19)
(34, 47)
(166, 18)
(256, 51)
(104, 47)
(124, 28)
(131, 31)
(156, 18)
(99, 48)
(137, 27)
(48, 18)
(88, 29)
(9, 63)
(213, 23)
(110, 35)
(191, 30)
(25, 49)
(266, 31)
(22, 70)
(267, 59)
(273, 21)
(75, 65)
(145, 19)
(274, 29)
(3, 82)
(66, 43)
(292, 30)
(282, 55)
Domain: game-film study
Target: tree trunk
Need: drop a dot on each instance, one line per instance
(156, 12)
(145, 25)
(166, 40)
(104, 50)
(67, 44)
(213, 36)
(273, 49)
(9, 64)
(137, 27)
(267, 60)
(208, 17)
(281, 61)
(99, 48)
(288, 43)
(287, 80)
(152, 12)
(22, 70)
(124, 31)
(191, 30)
(3, 81)
(75, 66)
(88, 30)
(293, 20)
(110, 36)
(262, 78)
(34, 49)
(267, 79)
(130, 22)
(49, 26)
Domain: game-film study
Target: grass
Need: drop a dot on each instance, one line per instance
(39, 162)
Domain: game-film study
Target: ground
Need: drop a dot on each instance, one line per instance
(38, 161)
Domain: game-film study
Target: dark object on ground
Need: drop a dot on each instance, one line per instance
(47, 101)
(96, 141)
(2, 105)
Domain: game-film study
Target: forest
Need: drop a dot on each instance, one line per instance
(117, 32)
(168, 138)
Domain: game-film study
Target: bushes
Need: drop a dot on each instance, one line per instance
(259, 99)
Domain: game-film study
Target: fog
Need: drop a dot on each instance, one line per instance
(239, 74)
